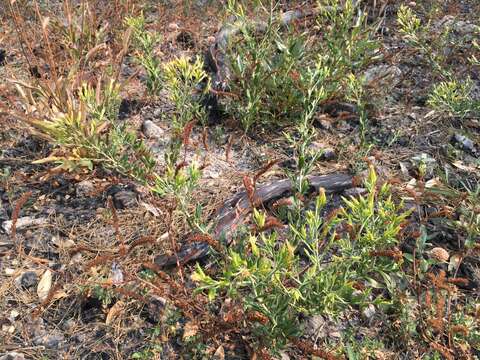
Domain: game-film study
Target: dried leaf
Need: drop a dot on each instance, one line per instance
(44, 285)
(114, 311)
(219, 353)
(150, 208)
(440, 254)
(190, 330)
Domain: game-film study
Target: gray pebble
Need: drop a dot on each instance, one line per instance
(29, 279)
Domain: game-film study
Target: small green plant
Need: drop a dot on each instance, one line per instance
(417, 36)
(187, 84)
(454, 98)
(181, 182)
(356, 93)
(84, 127)
(145, 42)
(105, 295)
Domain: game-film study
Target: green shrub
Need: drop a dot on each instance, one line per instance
(145, 42)
(310, 271)
(82, 123)
(454, 98)
(184, 81)
(268, 62)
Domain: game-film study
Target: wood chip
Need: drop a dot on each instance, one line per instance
(44, 285)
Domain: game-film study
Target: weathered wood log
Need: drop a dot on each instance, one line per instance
(235, 211)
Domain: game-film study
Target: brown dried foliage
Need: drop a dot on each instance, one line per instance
(308, 349)
(446, 352)
(264, 170)
(395, 254)
(187, 131)
(16, 211)
(205, 238)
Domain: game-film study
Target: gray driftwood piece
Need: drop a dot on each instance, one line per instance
(235, 210)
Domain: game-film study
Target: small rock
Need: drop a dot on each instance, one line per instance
(84, 188)
(173, 27)
(44, 285)
(284, 356)
(8, 329)
(219, 353)
(151, 130)
(125, 199)
(3, 57)
(52, 340)
(12, 356)
(439, 254)
(325, 124)
(355, 192)
(28, 279)
(464, 142)
(369, 311)
(314, 326)
(328, 154)
(383, 76)
(13, 315)
(462, 28)
(22, 223)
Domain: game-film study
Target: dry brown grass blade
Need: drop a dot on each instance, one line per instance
(16, 211)
(263, 170)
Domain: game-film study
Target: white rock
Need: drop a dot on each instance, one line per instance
(151, 130)
(22, 223)
(383, 76)
(44, 285)
(369, 311)
(84, 188)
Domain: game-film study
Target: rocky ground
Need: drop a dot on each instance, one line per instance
(65, 247)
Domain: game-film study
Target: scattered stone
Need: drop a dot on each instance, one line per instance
(464, 142)
(152, 131)
(219, 353)
(325, 124)
(12, 356)
(328, 154)
(125, 199)
(13, 315)
(9, 271)
(62, 243)
(52, 340)
(44, 285)
(28, 279)
(460, 27)
(283, 356)
(84, 188)
(439, 254)
(383, 76)
(173, 27)
(314, 326)
(369, 311)
(355, 192)
(22, 223)
(3, 57)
